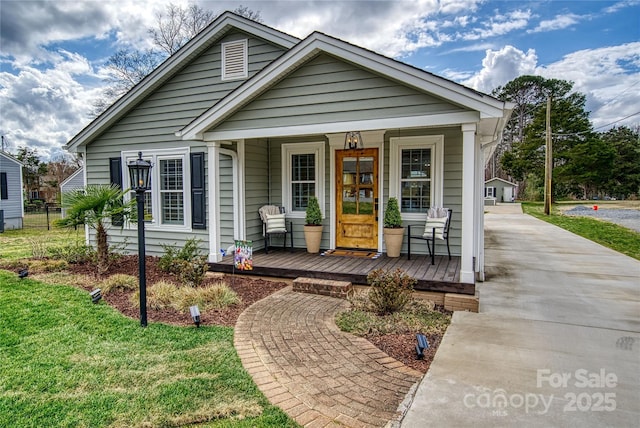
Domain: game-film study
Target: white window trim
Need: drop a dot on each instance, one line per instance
(490, 192)
(155, 156)
(433, 142)
(245, 66)
(288, 150)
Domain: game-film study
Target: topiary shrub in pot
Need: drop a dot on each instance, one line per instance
(313, 225)
(393, 230)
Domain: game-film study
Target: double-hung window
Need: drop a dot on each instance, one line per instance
(489, 192)
(302, 176)
(415, 172)
(171, 190)
(165, 204)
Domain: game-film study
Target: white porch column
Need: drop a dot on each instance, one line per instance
(213, 192)
(467, 274)
(479, 213)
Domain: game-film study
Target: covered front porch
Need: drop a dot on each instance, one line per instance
(442, 276)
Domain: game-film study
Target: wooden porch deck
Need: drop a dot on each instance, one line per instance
(443, 276)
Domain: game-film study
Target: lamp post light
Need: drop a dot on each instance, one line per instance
(140, 179)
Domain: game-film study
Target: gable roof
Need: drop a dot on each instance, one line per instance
(488, 107)
(499, 179)
(10, 157)
(72, 176)
(202, 41)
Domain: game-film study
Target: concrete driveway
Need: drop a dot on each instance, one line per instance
(556, 342)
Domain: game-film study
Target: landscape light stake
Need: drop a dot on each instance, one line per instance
(140, 177)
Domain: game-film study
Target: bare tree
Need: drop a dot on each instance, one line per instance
(126, 68)
(178, 25)
(248, 13)
(174, 28)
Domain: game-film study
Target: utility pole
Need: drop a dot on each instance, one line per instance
(548, 165)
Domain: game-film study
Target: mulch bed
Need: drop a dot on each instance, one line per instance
(250, 290)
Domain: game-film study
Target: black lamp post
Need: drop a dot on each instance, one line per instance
(140, 178)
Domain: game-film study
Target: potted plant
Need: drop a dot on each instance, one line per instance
(313, 225)
(393, 230)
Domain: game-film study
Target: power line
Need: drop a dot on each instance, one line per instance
(601, 126)
(624, 91)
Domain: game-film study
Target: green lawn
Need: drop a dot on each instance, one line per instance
(16, 244)
(65, 361)
(610, 235)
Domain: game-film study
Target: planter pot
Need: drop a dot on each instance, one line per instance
(393, 238)
(312, 236)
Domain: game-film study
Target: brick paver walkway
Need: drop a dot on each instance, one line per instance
(317, 374)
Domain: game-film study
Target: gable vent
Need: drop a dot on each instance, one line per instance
(234, 60)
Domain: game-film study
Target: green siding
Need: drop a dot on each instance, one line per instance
(452, 183)
(226, 202)
(327, 90)
(152, 124)
(256, 188)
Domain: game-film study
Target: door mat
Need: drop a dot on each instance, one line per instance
(352, 253)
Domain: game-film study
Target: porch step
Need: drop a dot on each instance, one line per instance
(325, 287)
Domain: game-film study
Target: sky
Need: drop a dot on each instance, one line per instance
(53, 53)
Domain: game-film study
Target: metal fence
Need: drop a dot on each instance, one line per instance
(41, 216)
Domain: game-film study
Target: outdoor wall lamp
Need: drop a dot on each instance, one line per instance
(195, 315)
(353, 140)
(140, 179)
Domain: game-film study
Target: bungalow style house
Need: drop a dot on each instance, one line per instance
(11, 196)
(244, 115)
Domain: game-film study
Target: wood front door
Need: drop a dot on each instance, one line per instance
(357, 198)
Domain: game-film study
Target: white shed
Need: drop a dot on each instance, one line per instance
(499, 190)
(11, 197)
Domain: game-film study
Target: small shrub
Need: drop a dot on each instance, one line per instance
(390, 291)
(392, 217)
(215, 296)
(119, 281)
(38, 247)
(191, 272)
(219, 296)
(187, 262)
(359, 301)
(164, 295)
(167, 260)
(313, 215)
(74, 252)
(161, 295)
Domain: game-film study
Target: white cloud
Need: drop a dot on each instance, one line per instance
(499, 25)
(608, 77)
(558, 23)
(47, 85)
(501, 66)
(621, 5)
(390, 28)
(44, 109)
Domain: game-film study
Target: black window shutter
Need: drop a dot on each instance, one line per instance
(198, 207)
(115, 175)
(4, 189)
